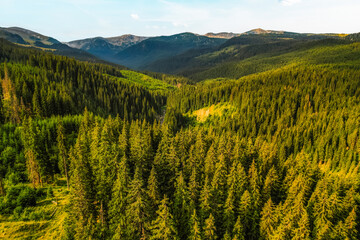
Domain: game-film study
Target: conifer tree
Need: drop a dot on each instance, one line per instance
(193, 189)
(124, 141)
(200, 151)
(82, 184)
(210, 229)
(229, 213)
(137, 211)
(246, 213)
(152, 191)
(107, 160)
(162, 165)
(163, 226)
(268, 220)
(118, 204)
(173, 160)
(31, 153)
(206, 200)
(254, 181)
(218, 188)
(62, 151)
(10, 104)
(195, 228)
(303, 229)
(351, 225)
(210, 162)
(181, 207)
(238, 231)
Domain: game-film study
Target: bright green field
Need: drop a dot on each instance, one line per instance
(144, 81)
(44, 221)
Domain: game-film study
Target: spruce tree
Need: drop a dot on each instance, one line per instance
(195, 228)
(163, 226)
(62, 151)
(239, 230)
(118, 204)
(303, 229)
(153, 192)
(181, 207)
(83, 190)
(210, 229)
(268, 220)
(137, 212)
(29, 137)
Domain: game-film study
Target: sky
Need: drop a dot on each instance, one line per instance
(68, 20)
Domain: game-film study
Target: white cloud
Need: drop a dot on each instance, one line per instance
(179, 24)
(182, 15)
(135, 16)
(289, 2)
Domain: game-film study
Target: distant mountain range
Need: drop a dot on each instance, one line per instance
(184, 53)
(180, 53)
(137, 52)
(141, 52)
(153, 49)
(106, 48)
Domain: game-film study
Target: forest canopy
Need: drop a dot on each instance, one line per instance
(92, 151)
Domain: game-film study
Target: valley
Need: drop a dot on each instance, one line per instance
(232, 136)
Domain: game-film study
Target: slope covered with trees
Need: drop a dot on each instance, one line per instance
(248, 54)
(49, 85)
(276, 158)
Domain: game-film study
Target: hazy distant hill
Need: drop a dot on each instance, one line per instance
(249, 44)
(29, 38)
(106, 48)
(354, 37)
(226, 35)
(126, 40)
(32, 38)
(180, 51)
(156, 48)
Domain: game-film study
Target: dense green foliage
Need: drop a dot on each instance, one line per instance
(277, 158)
(277, 55)
(247, 55)
(52, 85)
(144, 80)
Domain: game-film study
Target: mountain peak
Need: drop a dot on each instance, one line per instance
(224, 35)
(31, 37)
(258, 31)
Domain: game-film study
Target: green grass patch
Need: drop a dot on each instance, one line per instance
(43, 221)
(215, 110)
(143, 80)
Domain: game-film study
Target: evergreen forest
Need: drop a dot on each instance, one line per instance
(265, 147)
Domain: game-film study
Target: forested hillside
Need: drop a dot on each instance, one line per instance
(44, 85)
(266, 148)
(249, 54)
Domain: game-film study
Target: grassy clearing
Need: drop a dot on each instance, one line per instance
(51, 214)
(143, 80)
(216, 110)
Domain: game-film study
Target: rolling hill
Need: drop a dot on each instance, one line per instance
(265, 145)
(235, 50)
(106, 48)
(156, 48)
(32, 39)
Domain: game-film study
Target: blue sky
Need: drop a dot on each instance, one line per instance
(68, 20)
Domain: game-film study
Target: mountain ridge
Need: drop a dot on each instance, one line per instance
(170, 53)
(29, 38)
